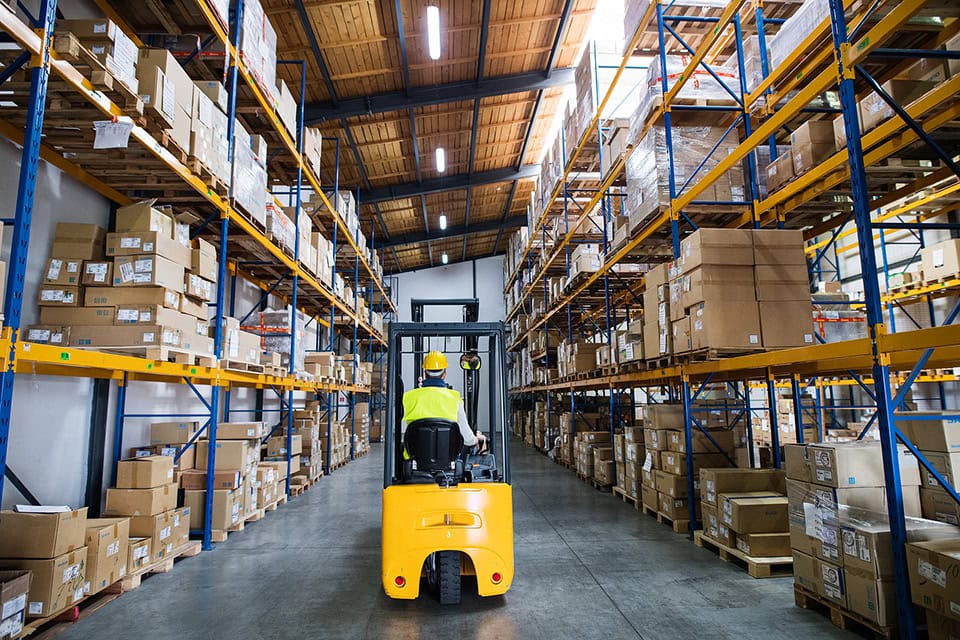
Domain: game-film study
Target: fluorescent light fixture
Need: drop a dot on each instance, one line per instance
(433, 32)
(443, 222)
(441, 160)
(444, 258)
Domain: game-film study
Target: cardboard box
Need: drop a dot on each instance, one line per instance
(946, 464)
(57, 583)
(780, 172)
(138, 554)
(157, 93)
(227, 506)
(64, 316)
(866, 545)
(204, 259)
(145, 472)
(197, 309)
(277, 446)
(858, 464)
(779, 247)
(675, 508)
(159, 528)
(717, 481)
(242, 430)
(934, 567)
(931, 435)
(874, 600)
(97, 273)
(941, 261)
(711, 282)
(147, 271)
(124, 336)
(144, 217)
(47, 334)
(132, 243)
(675, 486)
(14, 588)
(676, 463)
(41, 535)
(782, 282)
(682, 342)
(786, 323)
(195, 480)
(764, 545)
(941, 627)
(938, 505)
(874, 110)
(173, 432)
(649, 497)
(811, 143)
(754, 512)
(198, 287)
(181, 527)
(63, 271)
(54, 295)
(798, 462)
(78, 241)
(725, 324)
(185, 461)
(141, 502)
(716, 246)
(231, 455)
(106, 552)
(701, 443)
(110, 297)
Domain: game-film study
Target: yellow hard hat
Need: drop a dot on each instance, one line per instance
(435, 361)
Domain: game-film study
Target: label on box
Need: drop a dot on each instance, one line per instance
(35, 608)
(12, 627)
(932, 573)
(849, 541)
(51, 295)
(86, 587)
(146, 317)
(169, 98)
(170, 337)
(170, 477)
(648, 462)
(955, 608)
(172, 298)
(169, 548)
(71, 572)
(98, 270)
(176, 519)
(127, 315)
(148, 247)
(831, 582)
(236, 513)
(139, 553)
(38, 335)
(165, 533)
(938, 258)
(754, 338)
(126, 271)
(114, 548)
(143, 265)
(12, 606)
(130, 243)
(863, 549)
(149, 337)
(78, 594)
(54, 271)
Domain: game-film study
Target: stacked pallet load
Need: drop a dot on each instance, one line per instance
(937, 436)
(50, 545)
(361, 437)
(171, 439)
(235, 480)
(745, 516)
(306, 434)
(840, 532)
(590, 447)
(629, 454)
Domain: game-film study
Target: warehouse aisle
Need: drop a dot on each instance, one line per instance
(588, 566)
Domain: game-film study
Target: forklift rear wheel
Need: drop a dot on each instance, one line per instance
(443, 575)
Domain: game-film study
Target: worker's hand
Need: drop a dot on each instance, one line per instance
(481, 442)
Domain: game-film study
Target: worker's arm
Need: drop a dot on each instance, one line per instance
(469, 438)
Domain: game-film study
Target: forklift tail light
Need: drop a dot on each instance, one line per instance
(399, 581)
(496, 577)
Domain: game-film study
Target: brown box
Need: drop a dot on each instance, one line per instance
(941, 627)
(241, 430)
(124, 336)
(106, 552)
(63, 271)
(47, 334)
(858, 464)
(674, 508)
(79, 241)
(813, 132)
(41, 535)
(929, 434)
(56, 584)
(64, 316)
(138, 553)
(198, 287)
(786, 323)
(798, 462)
(934, 567)
(725, 324)
(173, 432)
(874, 110)
(812, 143)
(782, 282)
(716, 246)
(675, 486)
(204, 260)
(819, 577)
(711, 282)
(145, 472)
(14, 587)
(717, 481)
(227, 506)
(110, 297)
(54, 295)
(875, 600)
(780, 172)
(133, 243)
(181, 527)
(649, 497)
(147, 271)
(754, 512)
(779, 246)
(231, 455)
(867, 548)
(195, 480)
(701, 444)
(936, 504)
(97, 273)
(681, 335)
(676, 463)
(141, 502)
(159, 528)
(764, 545)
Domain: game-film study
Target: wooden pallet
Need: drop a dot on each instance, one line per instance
(69, 48)
(679, 526)
(773, 567)
(207, 176)
(703, 355)
(941, 280)
(256, 516)
(840, 617)
(50, 626)
(173, 147)
(296, 489)
(660, 363)
(163, 354)
(623, 495)
(600, 486)
(240, 365)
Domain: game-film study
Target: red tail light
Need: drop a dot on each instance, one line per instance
(399, 581)
(496, 577)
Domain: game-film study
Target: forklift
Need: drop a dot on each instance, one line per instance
(447, 511)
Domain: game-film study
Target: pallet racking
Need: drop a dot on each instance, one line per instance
(245, 249)
(852, 194)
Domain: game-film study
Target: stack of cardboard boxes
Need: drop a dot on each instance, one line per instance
(934, 567)
(14, 588)
(786, 423)
(839, 528)
(110, 45)
(308, 423)
(170, 439)
(50, 545)
(938, 439)
(746, 509)
(576, 357)
(147, 494)
(629, 454)
(584, 447)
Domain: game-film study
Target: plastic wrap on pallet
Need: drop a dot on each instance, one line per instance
(795, 30)
(701, 86)
(277, 335)
(250, 180)
(752, 64)
(258, 48)
(280, 226)
(762, 156)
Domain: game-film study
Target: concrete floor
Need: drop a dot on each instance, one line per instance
(587, 566)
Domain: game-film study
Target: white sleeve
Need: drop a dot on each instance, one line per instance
(469, 437)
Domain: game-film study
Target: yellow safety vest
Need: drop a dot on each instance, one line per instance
(430, 402)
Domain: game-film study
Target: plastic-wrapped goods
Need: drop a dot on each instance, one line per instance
(700, 86)
(277, 335)
(752, 64)
(796, 29)
(594, 75)
(763, 160)
(258, 47)
(648, 169)
(280, 226)
(250, 178)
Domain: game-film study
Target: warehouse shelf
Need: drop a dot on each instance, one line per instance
(910, 182)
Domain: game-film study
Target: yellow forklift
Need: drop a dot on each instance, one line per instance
(447, 509)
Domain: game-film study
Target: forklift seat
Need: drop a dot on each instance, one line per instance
(434, 447)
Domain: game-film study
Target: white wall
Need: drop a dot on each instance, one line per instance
(482, 279)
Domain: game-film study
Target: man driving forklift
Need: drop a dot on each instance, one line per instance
(435, 399)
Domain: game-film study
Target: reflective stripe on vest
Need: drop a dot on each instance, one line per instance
(430, 402)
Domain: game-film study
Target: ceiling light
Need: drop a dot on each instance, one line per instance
(444, 258)
(433, 32)
(441, 160)
(443, 222)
